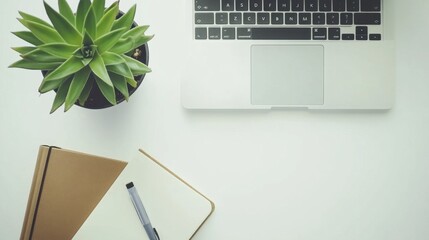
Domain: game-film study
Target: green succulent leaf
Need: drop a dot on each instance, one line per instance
(28, 37)
(60, 98)
(47, 86)
(90, 24)
(87, 40)
(87, 51)
(83, 49)
(41, 56)
(99, 68)
(132, 82)
(110, 58)
(136, 32)
(66, 11)
(32, 18)
(142, 40)
(137, 67)
(134, 44)
(107, 41)
(120, 83)
(61, 50)
(98, 6)
(110, 7)
(82, 11)
(31, 65)
(84, 54)
(76, 87)
(72, 65)
(123, 46)
(44, 33)
(67, 31)
(126, 20)
(23, 22)
(24, 50)
(86, 91)
(86, 61)
(106, 22)
(121, 69)
(108, 91)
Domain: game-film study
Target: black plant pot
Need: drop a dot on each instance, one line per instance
(96, 99)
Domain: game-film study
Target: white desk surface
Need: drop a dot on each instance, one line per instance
(291, 174)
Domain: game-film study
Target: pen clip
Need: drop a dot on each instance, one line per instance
(156, 233)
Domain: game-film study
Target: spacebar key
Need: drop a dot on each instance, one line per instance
(281, 33)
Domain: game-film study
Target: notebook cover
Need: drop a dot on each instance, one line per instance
(66, 187)
(174, 208)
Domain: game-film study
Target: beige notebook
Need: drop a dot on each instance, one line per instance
(66, 187)
(174, 208)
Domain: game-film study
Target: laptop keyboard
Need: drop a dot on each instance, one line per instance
(319, 20)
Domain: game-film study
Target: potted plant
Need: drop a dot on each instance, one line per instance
(95, 57)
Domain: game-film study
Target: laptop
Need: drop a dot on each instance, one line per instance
(267, 54)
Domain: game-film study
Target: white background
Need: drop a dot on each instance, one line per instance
(290, 174)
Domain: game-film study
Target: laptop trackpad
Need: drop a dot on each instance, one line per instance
(287, 75)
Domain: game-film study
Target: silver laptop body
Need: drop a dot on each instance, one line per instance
(265, 54)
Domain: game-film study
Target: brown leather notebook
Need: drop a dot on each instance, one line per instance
(66, 187)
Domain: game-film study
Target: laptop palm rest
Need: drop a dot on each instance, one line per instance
(287, 75)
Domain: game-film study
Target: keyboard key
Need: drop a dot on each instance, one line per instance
(263, 18)
(333, 18)
(361, 33)
(361, 36)
(228, 33)
(305, 18)
(348, 37)
(334, 34)
(235, 18)
(325, 5)
(281, 33)
(346, 18)
(370, 5)
(255, 5)
(297, 5)
(204, 18)
(339, 5)
(318, 18)
(353, 5)
(249, 18)
(311, 5)
(242, 5)
(200, 33)
(291, 18)
(214, 33)
(221, 18)
(270, 5)
(227, 5)
(375, 37)
(283, 5)
(244, 33)
(368, 18)
(207, 5)
(277, 18)
(361, 30)
(319, 34)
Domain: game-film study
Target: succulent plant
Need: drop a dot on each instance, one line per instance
(92, 47)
